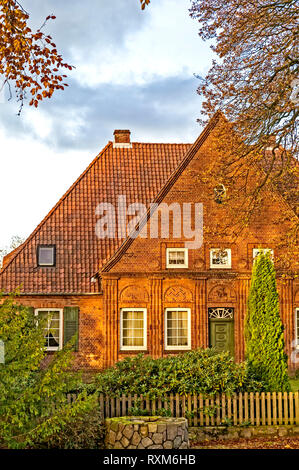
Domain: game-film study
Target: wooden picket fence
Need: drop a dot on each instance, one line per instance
(255, 409)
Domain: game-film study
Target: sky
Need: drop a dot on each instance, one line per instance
(134, 70)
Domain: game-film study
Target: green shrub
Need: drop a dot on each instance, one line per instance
(199, 371)
(87, 432)
(33, 400)
(136, 410)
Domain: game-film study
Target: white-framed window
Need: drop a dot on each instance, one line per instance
(177, 328)
(220, 258)
(52, 323)
(176, 257)
(297, 327)
(219, 193)
(46, 255)
(133, 329)
(257, 251)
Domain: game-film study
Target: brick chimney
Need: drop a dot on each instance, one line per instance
(122, 139)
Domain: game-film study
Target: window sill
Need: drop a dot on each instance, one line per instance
(174, 351)
(187, 348)
(220, 267)
(130, 351)
(176, 267)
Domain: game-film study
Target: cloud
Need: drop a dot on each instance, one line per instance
(84, 118)
(133, 70)
(115, 42)
(81, 27)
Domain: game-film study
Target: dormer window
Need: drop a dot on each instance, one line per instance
(220, 258)
(176, 258)
(46, 255)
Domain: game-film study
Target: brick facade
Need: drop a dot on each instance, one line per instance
(133, 273)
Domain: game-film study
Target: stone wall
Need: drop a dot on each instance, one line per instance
(146, 432)
(198, 434)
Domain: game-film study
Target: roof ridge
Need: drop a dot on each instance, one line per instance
(169, 183)
(161, 143)
(65, 195)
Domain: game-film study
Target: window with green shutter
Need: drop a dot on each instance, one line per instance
(52, 326)
(70, 324)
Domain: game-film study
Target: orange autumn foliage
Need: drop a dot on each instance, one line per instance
(252, 82)
(144, 3)
(29, 61)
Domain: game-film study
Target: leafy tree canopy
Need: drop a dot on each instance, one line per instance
(257, 44)
(253, 82)
(29, 60)
(33, 401)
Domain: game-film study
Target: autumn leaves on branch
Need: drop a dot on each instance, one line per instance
(256, 42)
(251, 81)
(144, 3)
(29, 61)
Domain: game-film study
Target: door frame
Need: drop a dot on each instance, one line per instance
(225, 320)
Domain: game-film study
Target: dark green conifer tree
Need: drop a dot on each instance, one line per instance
(265, 354)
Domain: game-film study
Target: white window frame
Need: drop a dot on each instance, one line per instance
(60, 310)
(221, 266)
(255, 252)
(134, 348)
(296, 332)
(177, 266)
(177, 348)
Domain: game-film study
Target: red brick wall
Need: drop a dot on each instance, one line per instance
(143, 265)
(140, 278)
(91, 337)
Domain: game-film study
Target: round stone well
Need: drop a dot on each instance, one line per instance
(146, 432)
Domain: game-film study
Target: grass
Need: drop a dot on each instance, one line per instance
(294, 384)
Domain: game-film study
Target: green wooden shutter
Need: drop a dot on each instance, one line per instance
(31, 309)
(70, 324)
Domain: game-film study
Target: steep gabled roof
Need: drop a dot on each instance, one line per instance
(139, 173)
(168, 185)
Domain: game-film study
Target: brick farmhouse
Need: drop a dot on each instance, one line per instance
(155, 295)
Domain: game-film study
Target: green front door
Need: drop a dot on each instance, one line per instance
(222, 335)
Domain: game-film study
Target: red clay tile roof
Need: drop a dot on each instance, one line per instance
(139, 173)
